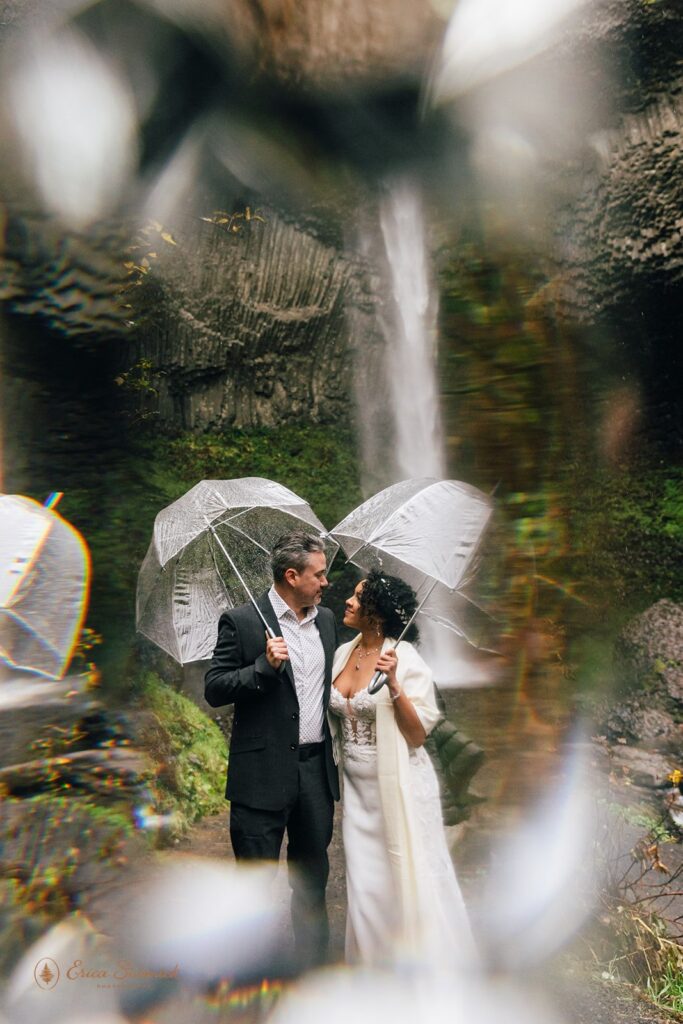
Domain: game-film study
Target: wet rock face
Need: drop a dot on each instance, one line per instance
(648, 726)
(650, 651)
(622, 233)
(251, 329)
(641, 768)
(321, 47)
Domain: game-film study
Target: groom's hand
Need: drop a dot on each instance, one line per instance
(276, 652)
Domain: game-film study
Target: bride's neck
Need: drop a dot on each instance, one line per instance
(370, 639)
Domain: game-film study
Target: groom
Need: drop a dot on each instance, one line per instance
(281, 773)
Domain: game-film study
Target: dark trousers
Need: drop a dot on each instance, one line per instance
(258, 834)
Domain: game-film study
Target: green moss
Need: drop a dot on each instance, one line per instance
(318, 463)
(627, 533)
(66, 809)
(190, 752)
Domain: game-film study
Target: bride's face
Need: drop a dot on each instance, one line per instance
(353, 613)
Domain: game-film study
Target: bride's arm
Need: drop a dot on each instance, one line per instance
(407, 718)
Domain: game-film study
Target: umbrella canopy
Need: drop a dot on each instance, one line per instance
(427, 532)
(44, 579)
(201, 545)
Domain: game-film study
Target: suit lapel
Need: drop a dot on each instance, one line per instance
(272, 620)
(326, 630)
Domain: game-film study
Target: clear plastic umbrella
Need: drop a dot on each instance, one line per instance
(44, 578)
(428, 533)
(210, 551)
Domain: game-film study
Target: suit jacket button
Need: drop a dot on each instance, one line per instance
(292, 746)
(295, 716)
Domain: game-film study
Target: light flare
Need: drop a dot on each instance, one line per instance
(77, 126)
(544, 875)
(337, 996)
(213, 920)
(485, 38)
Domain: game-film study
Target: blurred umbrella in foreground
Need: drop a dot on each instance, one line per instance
(44, 579)
(80, 161)
(486, 38)
(402, 997)
(210, 551)
(209, 920)
(545, 873)
(427, 532)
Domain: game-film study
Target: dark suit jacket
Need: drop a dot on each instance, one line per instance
(264, 749)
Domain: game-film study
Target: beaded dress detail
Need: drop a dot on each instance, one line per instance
(357, 715)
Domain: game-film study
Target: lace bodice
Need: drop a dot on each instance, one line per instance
(357, 715)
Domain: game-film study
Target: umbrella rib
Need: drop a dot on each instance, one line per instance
(242, 511)
(247, 537)
(157, 642)
(25, 625)
(215, 565)
(256, 608)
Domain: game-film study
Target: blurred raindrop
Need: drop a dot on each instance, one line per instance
(342, 995)
(73, 939)
(77, 125)
(487, 37)
(542, 880)
(211, 920)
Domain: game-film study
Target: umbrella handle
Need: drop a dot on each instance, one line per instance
(377, 682)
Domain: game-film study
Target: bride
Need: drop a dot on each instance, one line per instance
(404, 902)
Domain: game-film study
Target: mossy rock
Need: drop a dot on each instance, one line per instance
(188, 749)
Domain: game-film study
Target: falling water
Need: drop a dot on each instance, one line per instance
(410, 335)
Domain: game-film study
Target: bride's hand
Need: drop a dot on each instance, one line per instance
(387, 663)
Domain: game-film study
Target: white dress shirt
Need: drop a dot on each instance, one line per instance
(307, 658)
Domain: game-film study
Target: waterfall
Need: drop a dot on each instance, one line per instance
(410, 335)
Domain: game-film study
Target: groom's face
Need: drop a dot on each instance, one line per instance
(308, 585)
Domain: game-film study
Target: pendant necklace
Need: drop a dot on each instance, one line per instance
(364, 654)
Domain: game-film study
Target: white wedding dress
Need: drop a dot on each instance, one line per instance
(378, 911)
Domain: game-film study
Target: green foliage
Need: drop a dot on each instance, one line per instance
(189, 750)
(627, 532)
(140, 384)
(318, 463)
(643, 818)
(511, 373)
(666, 989)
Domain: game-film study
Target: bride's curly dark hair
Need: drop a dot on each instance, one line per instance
(391, 601)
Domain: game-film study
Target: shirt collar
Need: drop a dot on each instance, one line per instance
(281, 608)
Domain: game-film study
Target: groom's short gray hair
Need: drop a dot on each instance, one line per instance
(291, 551)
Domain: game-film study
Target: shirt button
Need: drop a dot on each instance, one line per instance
(292, 746)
